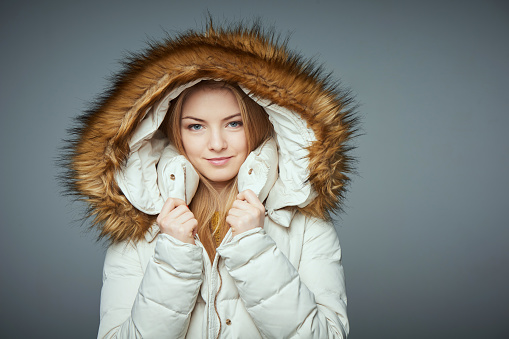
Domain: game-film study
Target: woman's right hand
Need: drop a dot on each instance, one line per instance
(178, 221)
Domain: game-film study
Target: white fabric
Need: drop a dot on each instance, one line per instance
(275, 282)
(139, 179)
(141, 185)
(283, 281)
(293, 138)
(259, 171)
(176, 177)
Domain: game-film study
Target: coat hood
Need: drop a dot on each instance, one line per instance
(124, 168)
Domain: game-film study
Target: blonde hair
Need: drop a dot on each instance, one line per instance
(207, 201)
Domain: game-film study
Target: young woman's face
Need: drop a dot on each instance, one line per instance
(213, 134)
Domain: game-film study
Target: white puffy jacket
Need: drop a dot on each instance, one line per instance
(275, 282)
(283, 281)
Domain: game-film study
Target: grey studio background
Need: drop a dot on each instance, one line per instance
(425, 232)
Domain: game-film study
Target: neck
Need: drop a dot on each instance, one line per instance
(219, 186)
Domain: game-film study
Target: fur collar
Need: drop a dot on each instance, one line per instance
(255, 59)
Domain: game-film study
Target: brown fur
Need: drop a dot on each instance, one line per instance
(247, 56)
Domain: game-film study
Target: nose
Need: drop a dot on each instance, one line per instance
(217, 141)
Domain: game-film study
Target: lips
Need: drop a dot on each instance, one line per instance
(219, 161)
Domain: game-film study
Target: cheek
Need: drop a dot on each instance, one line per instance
(191, 145)
(241, 142)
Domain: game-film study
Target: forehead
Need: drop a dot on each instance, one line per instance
(210, 100)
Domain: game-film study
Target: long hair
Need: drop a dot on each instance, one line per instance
(207, 202)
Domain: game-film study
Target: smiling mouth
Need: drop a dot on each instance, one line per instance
(219, 161)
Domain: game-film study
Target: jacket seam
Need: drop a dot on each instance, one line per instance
(164, 306)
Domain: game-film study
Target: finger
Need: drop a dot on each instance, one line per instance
(169, 205)
(192, 226)
(236, 212)
(185, 217)
(172, 215)
(241, 205)
(178, 211)
(250, 197)
(249, 208)
(232, 220)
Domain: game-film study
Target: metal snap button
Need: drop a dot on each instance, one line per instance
(228, 322)
(172, 176)
(250, 171)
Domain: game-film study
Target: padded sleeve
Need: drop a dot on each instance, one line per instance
(285, 302)
(154, 304)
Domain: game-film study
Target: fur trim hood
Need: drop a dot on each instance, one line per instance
(117, 138)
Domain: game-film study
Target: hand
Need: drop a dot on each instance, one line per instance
(178, 221)
(247, 212)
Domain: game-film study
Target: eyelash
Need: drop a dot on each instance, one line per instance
(192, 127)
(239, 124)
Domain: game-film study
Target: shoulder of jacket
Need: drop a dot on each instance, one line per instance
(310, 222)
(121, 258)
(129, 252)
(317, 228)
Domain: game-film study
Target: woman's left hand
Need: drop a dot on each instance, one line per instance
(247, 212)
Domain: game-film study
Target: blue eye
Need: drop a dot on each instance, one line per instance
(195, 127)
(235, 124)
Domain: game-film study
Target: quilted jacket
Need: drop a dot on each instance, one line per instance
(284, 280)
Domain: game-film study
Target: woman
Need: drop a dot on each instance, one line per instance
(206, 124)
(212, 165)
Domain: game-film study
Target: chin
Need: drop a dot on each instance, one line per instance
(221, 179)
(220, 176)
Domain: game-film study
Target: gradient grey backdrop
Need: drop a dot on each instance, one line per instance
(425, 231)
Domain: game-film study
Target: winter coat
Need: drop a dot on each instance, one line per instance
(284, 280)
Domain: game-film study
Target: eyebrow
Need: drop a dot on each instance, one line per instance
(227, 118)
